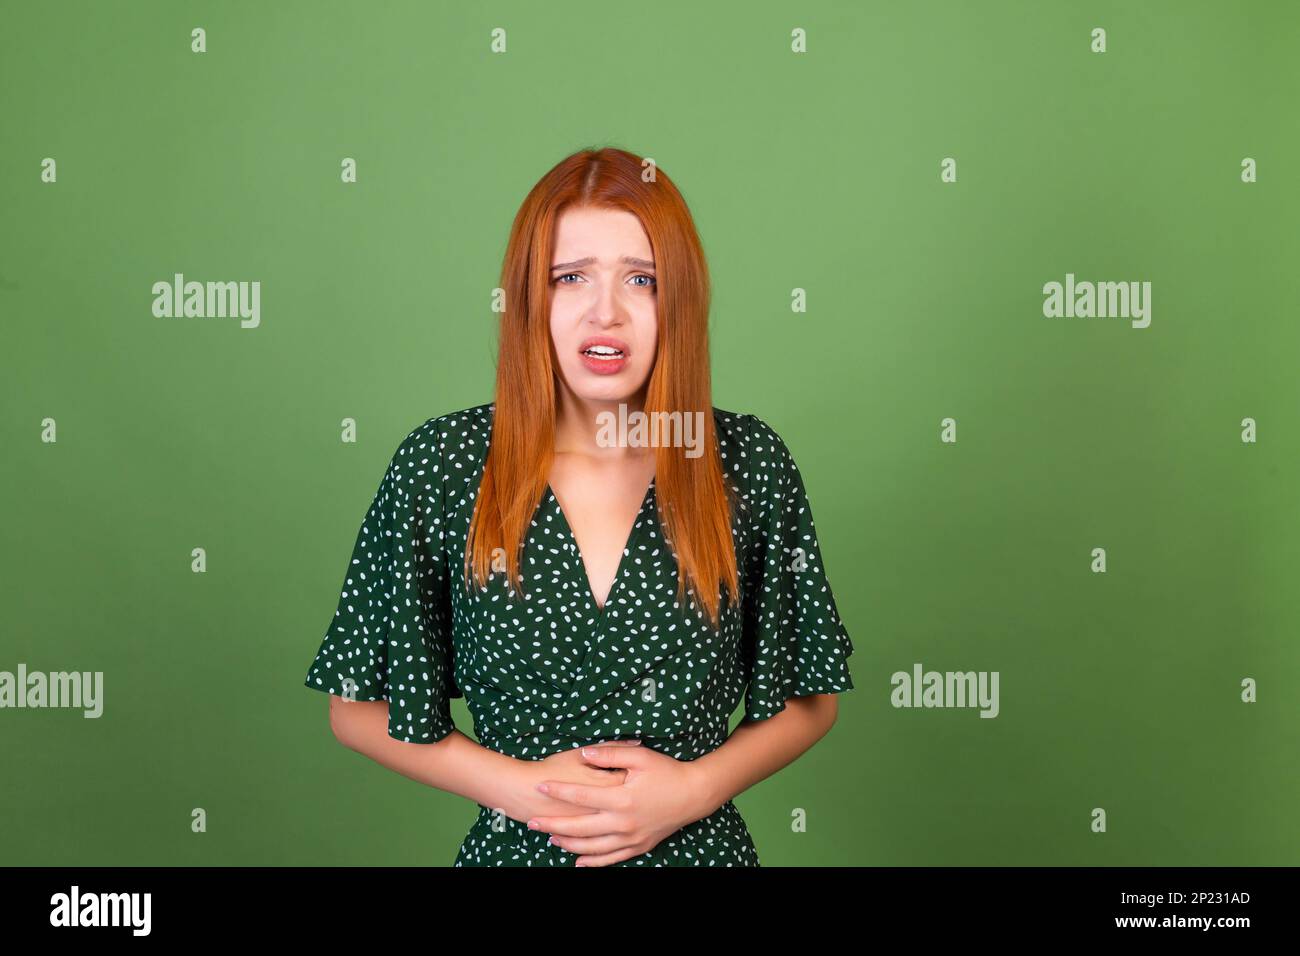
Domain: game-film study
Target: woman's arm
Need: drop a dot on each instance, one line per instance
(455, 763)
(662, 794)
(458, 764)
(758, 749)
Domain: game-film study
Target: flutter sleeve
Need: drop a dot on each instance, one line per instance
(391, 634)
(795, 642)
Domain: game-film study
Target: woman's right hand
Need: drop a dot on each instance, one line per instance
(525, 801)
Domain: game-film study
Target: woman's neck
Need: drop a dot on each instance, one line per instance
(578, 423)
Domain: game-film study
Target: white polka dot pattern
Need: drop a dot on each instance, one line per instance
(552, 671)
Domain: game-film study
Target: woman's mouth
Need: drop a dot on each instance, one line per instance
(604, 356)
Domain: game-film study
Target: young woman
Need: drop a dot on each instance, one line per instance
(581, 579)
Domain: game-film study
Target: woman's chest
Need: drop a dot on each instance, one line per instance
(598, 506)
(553, 640)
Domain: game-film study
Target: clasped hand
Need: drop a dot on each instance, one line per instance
(644, 797)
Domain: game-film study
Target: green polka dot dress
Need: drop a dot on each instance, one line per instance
(555, 671)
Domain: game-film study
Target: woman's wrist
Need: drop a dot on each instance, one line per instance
(506, 784)
(709, 790)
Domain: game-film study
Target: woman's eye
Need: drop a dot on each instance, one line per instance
(559, 280)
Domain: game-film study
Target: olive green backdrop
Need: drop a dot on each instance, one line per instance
(817, 171)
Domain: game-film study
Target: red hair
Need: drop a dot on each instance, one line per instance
(695, 501)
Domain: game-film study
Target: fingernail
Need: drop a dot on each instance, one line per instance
(589, 752)
(532, 825)
(543, 788)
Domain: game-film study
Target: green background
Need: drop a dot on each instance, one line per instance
(817, 171)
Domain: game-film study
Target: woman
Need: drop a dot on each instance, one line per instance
(659, 576)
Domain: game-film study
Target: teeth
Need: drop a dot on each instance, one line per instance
(603, 351)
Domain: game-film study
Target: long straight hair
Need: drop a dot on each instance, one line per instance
(695, 502)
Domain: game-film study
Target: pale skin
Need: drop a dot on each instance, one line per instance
(616, 800)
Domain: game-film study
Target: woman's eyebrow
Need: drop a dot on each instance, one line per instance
(630, 260)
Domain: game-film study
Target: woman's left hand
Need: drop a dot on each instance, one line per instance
(659, 796)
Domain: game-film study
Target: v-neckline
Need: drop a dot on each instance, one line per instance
(623, 557)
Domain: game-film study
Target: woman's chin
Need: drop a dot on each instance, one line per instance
(605, 388)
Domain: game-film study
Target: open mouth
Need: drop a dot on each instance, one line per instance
(603, 355)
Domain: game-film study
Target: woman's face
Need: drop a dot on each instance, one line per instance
(602, 298)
